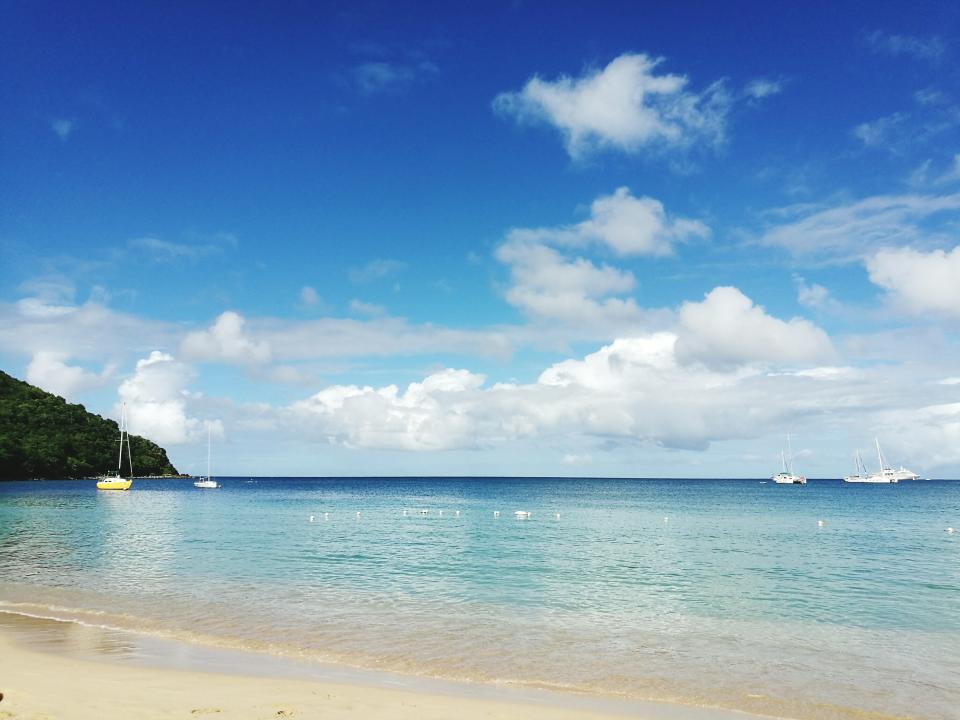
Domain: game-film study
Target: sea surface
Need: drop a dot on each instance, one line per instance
(820, 601)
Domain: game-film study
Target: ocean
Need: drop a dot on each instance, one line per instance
(820, 601)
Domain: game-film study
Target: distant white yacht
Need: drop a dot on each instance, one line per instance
(787, 476)
(884, 475)
(207, 483)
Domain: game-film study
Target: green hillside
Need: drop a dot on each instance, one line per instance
(43, 436)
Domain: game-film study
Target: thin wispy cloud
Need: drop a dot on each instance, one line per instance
(849, 232)
(382, 77)
(760, 88)
(376, 269)
(165, 250)
(931, 49)
(62, 128)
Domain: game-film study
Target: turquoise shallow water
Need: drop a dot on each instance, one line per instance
(710, 592)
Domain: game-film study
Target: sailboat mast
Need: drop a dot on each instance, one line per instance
(209, 477)
(879, 455)
(790, 453)
(123, 420)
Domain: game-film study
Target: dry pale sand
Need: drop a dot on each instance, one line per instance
(42, 686)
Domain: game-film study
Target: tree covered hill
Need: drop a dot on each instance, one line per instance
(44, 436)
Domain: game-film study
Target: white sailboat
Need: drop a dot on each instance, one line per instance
(786, 476)
(859, 470)
(115, 480)
(885, 475)
(207, 483)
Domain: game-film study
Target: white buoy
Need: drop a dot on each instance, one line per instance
(441, 513)
(666, 519)
(820, 523)
(558, 516)
(311, 518)
(457, 513)
(424, 512)
(496, 513)
(404, 513)
(950, 530)
(358, 513)
(326, 516)
(521, 515)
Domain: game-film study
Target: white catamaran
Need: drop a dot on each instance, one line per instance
(787, 476)
(884, 475)
(207, 482)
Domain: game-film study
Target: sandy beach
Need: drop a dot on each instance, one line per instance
(41, 686)
(71, 680)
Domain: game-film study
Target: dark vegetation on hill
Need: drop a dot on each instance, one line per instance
(44, 436)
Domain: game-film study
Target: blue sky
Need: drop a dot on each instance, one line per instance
(532, 238)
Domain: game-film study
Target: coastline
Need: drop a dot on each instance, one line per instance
(52, 669)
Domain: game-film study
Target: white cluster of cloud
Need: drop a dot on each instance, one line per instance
(50, 371)
(622, 223)
(155, 397)
(727, 329)
(225, 341)
(432, 415)
(625, 106)
(546, 283)
(634, 390)
(919, 282)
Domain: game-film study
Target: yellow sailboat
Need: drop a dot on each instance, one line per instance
(114, 480)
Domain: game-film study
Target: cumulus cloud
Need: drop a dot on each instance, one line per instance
(225, 341)
(919, 282)
(431, 415)
(851, 231)
(620, 222)
(634, 390)
(547, 283)
(727, 329)
(155, 397)
(49, 370)
(625, 106)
